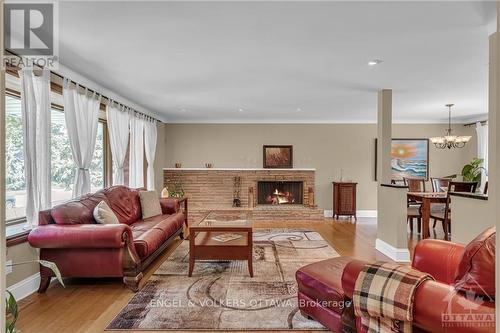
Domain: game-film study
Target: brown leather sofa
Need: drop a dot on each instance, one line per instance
(68, 235)
(464, 285)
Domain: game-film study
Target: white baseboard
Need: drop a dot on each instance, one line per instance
(25, 287)
(398, 255)
(359, 213)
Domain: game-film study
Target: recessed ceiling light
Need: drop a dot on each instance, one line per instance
(374, 62)
(240, 110)
(183, 110)
(299, 109)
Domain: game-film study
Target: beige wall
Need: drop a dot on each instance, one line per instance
(470, 217)
(20, 253)
(328, 148)
(161, 156)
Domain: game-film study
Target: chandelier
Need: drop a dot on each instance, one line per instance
(448, 140)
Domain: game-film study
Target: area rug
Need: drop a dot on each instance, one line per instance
(222, 296)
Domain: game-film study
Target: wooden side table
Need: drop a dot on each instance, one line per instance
(344, 199)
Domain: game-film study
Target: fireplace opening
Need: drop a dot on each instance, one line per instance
(279, 192)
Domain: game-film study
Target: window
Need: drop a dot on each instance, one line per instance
(15, 182)
(63, 168)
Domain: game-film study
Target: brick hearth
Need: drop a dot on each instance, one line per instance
(212, 189)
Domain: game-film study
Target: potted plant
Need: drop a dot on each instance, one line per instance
(11, 308)
(471, 172)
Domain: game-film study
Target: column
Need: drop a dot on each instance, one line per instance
(391, 200)
(3, 249)
(494, 137)
(384, 136)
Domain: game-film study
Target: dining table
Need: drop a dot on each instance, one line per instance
(427, 199)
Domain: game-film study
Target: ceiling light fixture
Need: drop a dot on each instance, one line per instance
(448, 140)
(299, 109)
(374, 62)
(240, 110)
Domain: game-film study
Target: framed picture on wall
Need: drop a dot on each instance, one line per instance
(278, 157)
(409, 158)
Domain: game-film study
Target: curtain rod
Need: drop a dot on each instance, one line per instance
(483, 122)
(110, 100)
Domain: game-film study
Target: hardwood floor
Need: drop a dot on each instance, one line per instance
(89, 305)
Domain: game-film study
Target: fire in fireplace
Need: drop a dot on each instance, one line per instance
(279, 192)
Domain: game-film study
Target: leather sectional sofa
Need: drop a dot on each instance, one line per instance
(464, 285)
(68, 235)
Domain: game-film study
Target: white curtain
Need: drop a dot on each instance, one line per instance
(136, 151)
(81, 115)
(118, 127)
(150, 135)
(482, 150)
(35, 106)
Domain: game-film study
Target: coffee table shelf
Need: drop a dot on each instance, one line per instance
(202, 246)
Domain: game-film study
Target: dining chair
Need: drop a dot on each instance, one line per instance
(444, 215)
(397, 182)
(415, 184)
(439, 183)
(414, 207)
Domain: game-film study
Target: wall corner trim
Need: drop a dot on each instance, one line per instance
(25, 287)
(398, 255)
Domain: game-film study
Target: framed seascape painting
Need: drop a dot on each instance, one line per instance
(278, 157)
(409, 158)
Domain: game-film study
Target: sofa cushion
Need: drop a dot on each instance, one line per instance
(168, 224)
(150, 204)
(77, 211)
(104, 215)
(125, 203)
(476, 271)
(322, 281)
(147, 241)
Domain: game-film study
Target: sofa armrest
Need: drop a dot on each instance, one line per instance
(438, 258)
(169, 205)
(438, 307)
(350, 274)
(80, 236)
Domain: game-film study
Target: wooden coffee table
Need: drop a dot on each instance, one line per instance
(202, 246)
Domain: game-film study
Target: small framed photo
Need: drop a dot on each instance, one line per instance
(278, 157)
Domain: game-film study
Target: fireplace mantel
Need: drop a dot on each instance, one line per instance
(238, 169)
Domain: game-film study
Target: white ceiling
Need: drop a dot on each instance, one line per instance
(203, 61)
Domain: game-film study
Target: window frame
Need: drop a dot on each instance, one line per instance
(107, 158)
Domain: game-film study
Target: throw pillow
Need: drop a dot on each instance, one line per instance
(104, 215)
(150, 204)
(476, 271)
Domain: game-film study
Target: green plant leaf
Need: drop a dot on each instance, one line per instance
(477, 161)
(467, 170)
(53, 267)
(12, 312)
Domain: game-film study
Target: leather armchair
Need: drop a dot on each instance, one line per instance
(437, 303)
(68, 235)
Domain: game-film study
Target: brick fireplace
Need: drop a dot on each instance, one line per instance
(212, 189)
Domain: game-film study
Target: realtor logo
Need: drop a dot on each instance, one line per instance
(29, 28)
(31, 33)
